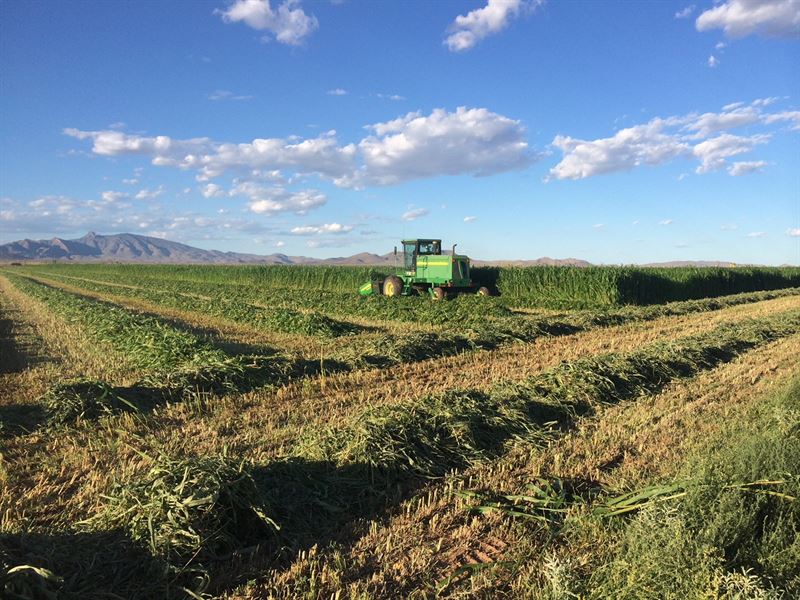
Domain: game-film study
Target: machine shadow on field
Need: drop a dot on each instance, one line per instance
(81, 566)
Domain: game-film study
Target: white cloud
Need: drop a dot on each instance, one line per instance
(333, 228)
(739, 18)
(732, 115)
(646, 144)
(666, 222)
(61, 215)
(288, 23)
(719, 46)
(757, 234)
(277, 201)
(686, 12)
(470, 219)
(414, 214)
(337, 92)
(467, 30)
(746, 167)
(713, 152)
(280, 244)
(112, 196)
(729, 227)
(212, 190)
(469, 140)
(598, 226)
(395, 97)
(131, 181)
(792, 116)
(713, 62)
(217, 95)
(146, 194)
(664, 139)
(793, 232)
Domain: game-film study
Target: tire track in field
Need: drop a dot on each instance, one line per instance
(429, 536)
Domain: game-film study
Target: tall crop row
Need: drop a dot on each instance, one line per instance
(576, 287)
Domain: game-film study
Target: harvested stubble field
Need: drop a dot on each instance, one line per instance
(252, 432)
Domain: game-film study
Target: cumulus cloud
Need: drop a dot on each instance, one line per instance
(296, 202)
(757, 234)
(713, 62)
(472, 141)
(212, 190)
(746, 167)
(146, 194)
(685, 12)
(702, 136)
(646, 144)
(713, 152)
(467, 30)
(666, 222)
(288, 23)
(793, 232)
(739, 18)
(332, 228)
(470, 219)
(732, 116)
(789, 116)
(414, 214)
(337, 92)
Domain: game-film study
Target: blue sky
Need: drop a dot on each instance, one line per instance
(616, 132)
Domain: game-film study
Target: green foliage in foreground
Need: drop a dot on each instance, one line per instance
(198, 508)
(729, 536)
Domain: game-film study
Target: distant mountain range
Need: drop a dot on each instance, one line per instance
(129, 247)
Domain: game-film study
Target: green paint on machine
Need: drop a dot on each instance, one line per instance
(426, 270)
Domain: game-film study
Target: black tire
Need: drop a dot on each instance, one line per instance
(392, 286)
(437, 293)
(483, 291)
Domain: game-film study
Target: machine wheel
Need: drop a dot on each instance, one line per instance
(437, 293)
(483, 291)
(392, 286)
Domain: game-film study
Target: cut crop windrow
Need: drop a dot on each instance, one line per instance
(435, 433)
(338, 474)
(227, 306)
(176, 363)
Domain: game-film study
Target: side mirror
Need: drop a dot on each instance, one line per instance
(395, 250)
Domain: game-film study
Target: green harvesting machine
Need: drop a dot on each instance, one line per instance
(426, 270)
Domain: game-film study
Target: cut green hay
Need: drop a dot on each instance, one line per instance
(219, 301)
(68, 401)
(189, 512)
(144, 341)
(428, 438)
(433, 434)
